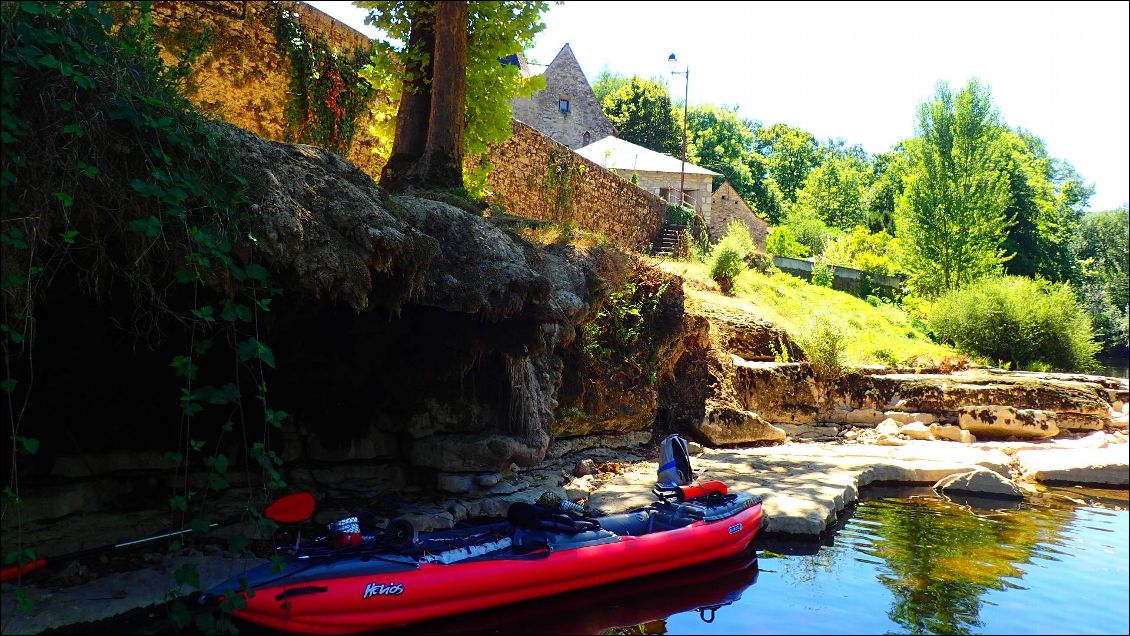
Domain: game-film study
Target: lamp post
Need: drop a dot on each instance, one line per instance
(672, 61)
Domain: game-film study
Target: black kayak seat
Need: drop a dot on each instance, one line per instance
(633, 524)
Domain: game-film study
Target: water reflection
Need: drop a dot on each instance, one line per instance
(638, 606)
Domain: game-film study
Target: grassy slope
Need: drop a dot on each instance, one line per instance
(874, 335)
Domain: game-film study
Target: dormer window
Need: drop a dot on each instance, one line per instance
(564, 106)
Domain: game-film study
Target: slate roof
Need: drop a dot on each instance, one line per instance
(616, 154)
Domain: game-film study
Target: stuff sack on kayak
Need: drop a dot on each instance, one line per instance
(674, 462)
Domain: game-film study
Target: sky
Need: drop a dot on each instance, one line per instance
(859, 70)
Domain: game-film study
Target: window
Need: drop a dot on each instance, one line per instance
(564, 106)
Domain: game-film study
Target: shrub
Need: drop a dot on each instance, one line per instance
(824, 346)
(726, 265)
(1018, 320)
(729, 257)
(782, 242)
(823, 274)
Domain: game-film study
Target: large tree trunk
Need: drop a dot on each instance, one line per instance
(442, 164)
(415, 101)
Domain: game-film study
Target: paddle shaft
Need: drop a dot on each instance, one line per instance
(294, 508)
(10, 572)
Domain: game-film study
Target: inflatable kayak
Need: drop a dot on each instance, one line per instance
(356, 582)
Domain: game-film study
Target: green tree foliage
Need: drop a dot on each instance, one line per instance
(607, 82)
(835, 192)
(1046, 213)
(719, 139)
(885, 188)
(1103, 249)
(810, 230)
(791, 154)
(495, 30)
(641, 111)
(1019, 320)
(952, 214)
(864, 250)
(783, 242)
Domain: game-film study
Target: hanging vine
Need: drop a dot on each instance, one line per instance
(560, 171)
(110, 178)
(327, 93)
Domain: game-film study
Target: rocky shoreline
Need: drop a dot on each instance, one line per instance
(806, 485)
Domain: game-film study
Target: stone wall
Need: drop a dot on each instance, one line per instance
(244, 76)
(564, 80)
(844, 278)
(728, 204)
(597, 199)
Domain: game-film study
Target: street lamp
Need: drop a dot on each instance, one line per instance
(672, 61)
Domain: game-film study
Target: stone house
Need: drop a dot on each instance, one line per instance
(728, 204)
(566, 109)
(653, 171)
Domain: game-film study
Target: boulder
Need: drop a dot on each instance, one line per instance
(779, 392)
(865, 417)
(907, 418)
(1101, 466)
(1006, 421)
(486, 480)
(694, 448)
(952, 433)
(979, 481)
(888, 427)
(727, 425)
(455, 482)
(890, 440)
(916, 430)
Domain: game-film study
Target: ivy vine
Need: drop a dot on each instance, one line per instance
(560, 172)
(327, 93)
(109, 175)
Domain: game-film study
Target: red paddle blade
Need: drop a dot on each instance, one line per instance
(10, 572)
(294, 508)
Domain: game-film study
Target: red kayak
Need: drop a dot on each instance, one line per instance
(364, 583)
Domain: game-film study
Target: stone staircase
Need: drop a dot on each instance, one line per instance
(669, 243)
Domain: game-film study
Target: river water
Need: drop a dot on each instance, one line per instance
(918, 565)
(903, 561)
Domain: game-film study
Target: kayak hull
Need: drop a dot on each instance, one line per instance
(364, 601)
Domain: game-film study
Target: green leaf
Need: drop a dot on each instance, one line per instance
(187, 574)
(27, 444)
(206, 623)
(12, 281)
(180, 614)
(14, 238)
(66, 199)
(16, 336)
(257, 272)
(8, 385)
(217, 483)
(205, 314)
(34, 8)
(178, 502)
(69, 236)
(88, 170)
(221, 464)
(74, 129)
(275, 418)
(199, 525)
